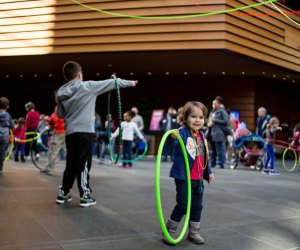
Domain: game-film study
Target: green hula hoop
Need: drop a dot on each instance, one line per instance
(31, 139)
(283, 160)
(114, 156)
(157, 190)
(11, 146)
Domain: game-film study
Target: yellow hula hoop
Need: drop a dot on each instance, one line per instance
(31, 139)
(286, 168)
(11, 146)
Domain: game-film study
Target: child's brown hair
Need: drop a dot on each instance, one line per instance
(273, 121)
(4, 103)
(188, 107)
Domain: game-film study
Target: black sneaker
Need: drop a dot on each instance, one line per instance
(86, 201)
(62, 198)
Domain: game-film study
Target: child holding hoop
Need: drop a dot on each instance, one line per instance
(128, 129)
(193, 117)
(20, 139)
(270, 133)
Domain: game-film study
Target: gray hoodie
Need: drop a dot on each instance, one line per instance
(6, 123)
(76, 102)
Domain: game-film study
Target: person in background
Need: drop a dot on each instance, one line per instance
(168, 122)
(57, 142)
(138, 119)
(128, 128)
(272, 128)
(6, 124)
(20, 137)
(32, 122)
(262, 121)
(217, 124)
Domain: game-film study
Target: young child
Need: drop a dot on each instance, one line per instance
(6, 123)
(128, 129)
(193, 117)
(295, 144)
(76, 102)
(20, 137)
(270, 134)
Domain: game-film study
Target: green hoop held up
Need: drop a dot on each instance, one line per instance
(157, 189)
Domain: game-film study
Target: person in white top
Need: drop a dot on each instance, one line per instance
(128, 129)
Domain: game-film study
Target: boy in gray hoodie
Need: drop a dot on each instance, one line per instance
(76, 102)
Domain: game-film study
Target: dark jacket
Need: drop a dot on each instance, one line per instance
(6, 124)
(262, 125)
(178, 167)
(164, 121)
(219, 126)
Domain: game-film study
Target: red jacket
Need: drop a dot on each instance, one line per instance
(32, 120)
(19, 132)
(59, 124)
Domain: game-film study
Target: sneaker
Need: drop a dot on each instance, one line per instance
(265, 171)
(274, 172)
(86, 201)
(37, 157)
(62, 198)
(46, 171)
(28, 158)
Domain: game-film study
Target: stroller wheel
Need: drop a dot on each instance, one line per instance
(234, 161)
(259, 164)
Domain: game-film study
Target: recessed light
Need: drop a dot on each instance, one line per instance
(21, 76)
(186, 73)
(35, 75)
(223, 73)
(204, 73)
(7, 76)
(149, 73)
(131, 73)
(274, 76)
(263, 72)
(167, 73)
(50, 75)
(243, 73)
(97, 74)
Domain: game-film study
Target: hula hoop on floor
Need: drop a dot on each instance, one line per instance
(11, 146)
(286, 168)
(141, 156)
(157, 189)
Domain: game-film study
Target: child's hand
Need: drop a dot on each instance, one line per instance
(175, 134)
(211, 177)
(134, 83)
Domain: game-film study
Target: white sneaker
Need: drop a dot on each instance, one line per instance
(37, 156)
(28, 158)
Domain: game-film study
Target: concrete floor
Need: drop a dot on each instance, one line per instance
(243, 209)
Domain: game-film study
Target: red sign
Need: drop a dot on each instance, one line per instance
(157, 115)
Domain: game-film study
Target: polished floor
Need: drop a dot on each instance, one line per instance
(243, 210)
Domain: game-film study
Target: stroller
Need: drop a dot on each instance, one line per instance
(248, 149)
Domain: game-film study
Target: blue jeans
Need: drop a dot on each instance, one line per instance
(181, 198)
(127, 152)
(270, 157)
(217, 153)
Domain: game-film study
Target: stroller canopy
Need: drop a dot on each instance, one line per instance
(239, 142)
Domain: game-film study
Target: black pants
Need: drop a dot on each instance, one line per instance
(79, 160)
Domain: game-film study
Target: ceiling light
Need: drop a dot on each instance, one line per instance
(149, 73)
(167, 73)
(131, 73)
(223, 73)
(35, 75)
(50, 75)
(204, 73)
(186, 73)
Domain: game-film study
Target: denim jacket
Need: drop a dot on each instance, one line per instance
(178, 167)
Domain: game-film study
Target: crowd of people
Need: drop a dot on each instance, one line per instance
(79, 131)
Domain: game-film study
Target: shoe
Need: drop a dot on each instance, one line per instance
(63, 198)
(165, 159)
(86, 201)
(37, 156)
(265, 171)
(274, 172)
(194, 236)
(46, 171)
(28, 158)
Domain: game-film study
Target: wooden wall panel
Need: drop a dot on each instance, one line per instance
(61, 26)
